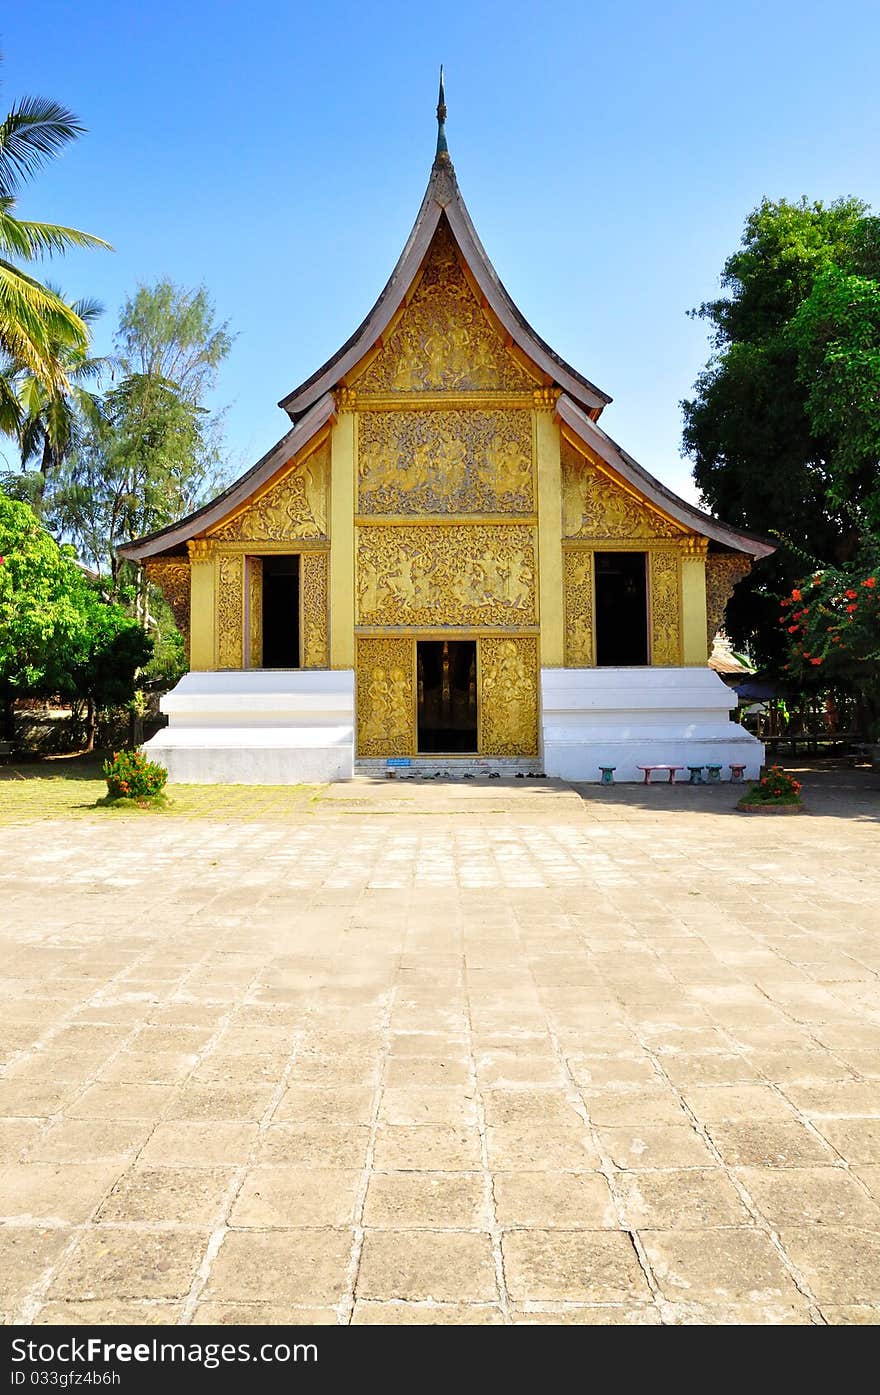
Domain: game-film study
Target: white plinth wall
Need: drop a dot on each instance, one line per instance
(258, 727)
(627, 717)
(284, 727)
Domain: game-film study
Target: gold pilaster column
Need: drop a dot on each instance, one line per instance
(343, 466)
(203, 592)
(693, 603)
(550, 591)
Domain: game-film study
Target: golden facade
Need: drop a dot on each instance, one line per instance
(443, 341)
(444, 503)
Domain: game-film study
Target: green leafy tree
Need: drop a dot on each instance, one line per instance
(142, 464)
(835, 333)
(168, 333)
(769, 453)
(153, 453)
(57, 634)
(36, 325)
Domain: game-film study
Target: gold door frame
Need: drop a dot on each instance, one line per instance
(399, 710)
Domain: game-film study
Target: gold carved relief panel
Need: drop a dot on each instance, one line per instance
(723, 571)
(578, 586)
(509, 696)
(445, 462)
(230, 612)
(254, 567)
(665, 594)
(293, 508)
(313, 590)
(385, 697)
(170, 575)
(443, 340)
(429, 576)
(595, 506)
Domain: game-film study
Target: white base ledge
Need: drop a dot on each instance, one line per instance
(631, 717)
(258, 727)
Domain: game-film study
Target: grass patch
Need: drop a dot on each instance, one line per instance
(155, 804)
(756, 796)
(66, 789)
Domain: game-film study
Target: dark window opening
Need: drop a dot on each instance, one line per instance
(447, 696)
(621, 609)
(281, 612)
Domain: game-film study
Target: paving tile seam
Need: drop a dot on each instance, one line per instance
(346, 1306)
(220, 1228)
(797, 1276)
(489, 1198)
(34, 1299)
(606, 1167)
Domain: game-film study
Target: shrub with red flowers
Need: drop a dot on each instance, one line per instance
(775, 787)
(832, 625)
(130, 775)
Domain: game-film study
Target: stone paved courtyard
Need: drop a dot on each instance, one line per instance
(431, 1053)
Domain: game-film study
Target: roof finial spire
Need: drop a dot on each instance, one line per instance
(442, 155)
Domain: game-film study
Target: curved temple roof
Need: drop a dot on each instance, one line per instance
(443, 196)
(312, 405)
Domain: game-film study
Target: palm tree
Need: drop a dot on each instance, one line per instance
(37, 328)
(51, 419)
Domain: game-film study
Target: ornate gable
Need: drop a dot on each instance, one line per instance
(295, 506)
(443, 341)
(596, 506)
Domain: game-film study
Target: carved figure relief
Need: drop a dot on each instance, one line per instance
(313, 584)
(385, 697)
(443, 340)
(429, 576)
(230, 612)
(578, 583)
(295, 507)
(723, 571)
(509, 696)
(171, 576)
(255, 611)
(445, 462)
(665, 592)
(594, 506)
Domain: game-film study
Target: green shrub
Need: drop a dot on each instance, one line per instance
(130, 775)
(776, 787)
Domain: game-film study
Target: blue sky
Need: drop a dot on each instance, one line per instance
(278, 153)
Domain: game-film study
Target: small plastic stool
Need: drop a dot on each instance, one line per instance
(736, 774)
(695, 774)
(714, 772)
(607, 774)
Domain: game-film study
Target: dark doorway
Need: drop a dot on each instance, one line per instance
(280, 612)
(621, 609)
(447, 695)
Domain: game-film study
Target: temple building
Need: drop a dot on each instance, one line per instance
(446, 560)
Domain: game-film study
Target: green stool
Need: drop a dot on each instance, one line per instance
(714, 774)
(695, 774)
(607, 774)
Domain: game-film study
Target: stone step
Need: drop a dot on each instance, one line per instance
(476, 767)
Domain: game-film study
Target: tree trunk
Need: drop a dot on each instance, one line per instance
(90, 726)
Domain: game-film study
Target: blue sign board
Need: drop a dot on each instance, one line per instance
(398, 762)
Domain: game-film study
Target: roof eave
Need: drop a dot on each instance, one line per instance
(597, 440)
(176, 534)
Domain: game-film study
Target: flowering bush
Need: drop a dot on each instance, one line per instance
(832, 624)
(130, 775)
(776, 787)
